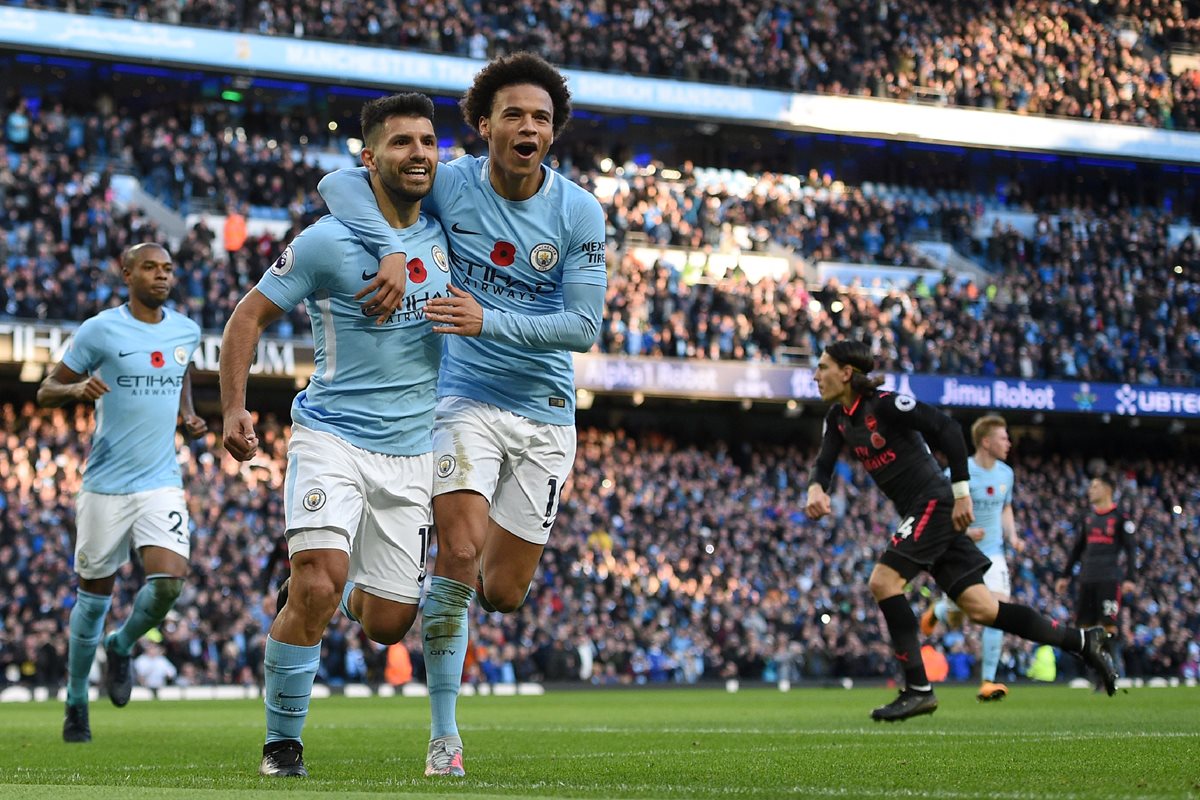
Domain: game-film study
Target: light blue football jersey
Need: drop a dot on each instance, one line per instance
(991, 491)
(374, 385)
(133, 447)
(514, 257)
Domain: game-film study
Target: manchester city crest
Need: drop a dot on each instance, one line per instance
(181, 356)
(445, 466)
(543, 257)
(314, 499)
(439, 258)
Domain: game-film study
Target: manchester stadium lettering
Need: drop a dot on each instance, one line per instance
(39, 344)
(272, 358)
(43, 344)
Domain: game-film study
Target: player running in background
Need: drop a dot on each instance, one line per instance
(991, 483)
(133, 362)
(1103, 533)
(360, 468)
(529, 275)
(888, 433)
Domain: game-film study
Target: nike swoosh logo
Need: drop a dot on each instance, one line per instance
(368, 276)
(130, 353)
(293, 696)
(429, 638)
(547, 523)
(459, 229)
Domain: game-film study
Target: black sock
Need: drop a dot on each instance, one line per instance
(902, 626)
(1023, 621)
(1116, 649)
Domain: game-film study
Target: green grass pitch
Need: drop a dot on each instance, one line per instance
(1041, 742)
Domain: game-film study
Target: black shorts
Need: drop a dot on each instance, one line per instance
(1099, 603)
(926, 541)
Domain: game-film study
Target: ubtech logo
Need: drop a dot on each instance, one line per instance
(1126, 400)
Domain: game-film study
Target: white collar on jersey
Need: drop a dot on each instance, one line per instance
(545, 190)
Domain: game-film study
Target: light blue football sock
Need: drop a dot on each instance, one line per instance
(86, 626)
(289, 671)
(344, 605)
(150, 607)
(992, 640)
(444, 625)
(941, 610)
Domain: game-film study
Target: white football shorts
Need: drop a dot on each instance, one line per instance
(373, 506)
(996, 579)
(108, 525)
(517, 464)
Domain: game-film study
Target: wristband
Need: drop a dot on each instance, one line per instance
(961, 489)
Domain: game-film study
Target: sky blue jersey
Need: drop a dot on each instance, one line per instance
(133, 447)
(523, 261)
(991, 491)
(374, 385)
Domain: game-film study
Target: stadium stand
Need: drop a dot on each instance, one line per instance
(675, 563)
(1129, 282)
(1108, 60)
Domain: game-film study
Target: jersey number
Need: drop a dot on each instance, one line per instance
(177, 518)
(423, 534)
(551, 501)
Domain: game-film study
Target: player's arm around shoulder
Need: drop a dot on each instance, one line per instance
(69, 381)
(586, 259)
(585, 274)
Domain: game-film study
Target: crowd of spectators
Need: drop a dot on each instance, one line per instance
(670, 562)
(1094, 59)
(1101, 295)
(62, 227)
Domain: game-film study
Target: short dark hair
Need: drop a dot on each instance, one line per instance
(131, 254)
(511, 70)
(1106, 479)
(408, 104)
(857, 356)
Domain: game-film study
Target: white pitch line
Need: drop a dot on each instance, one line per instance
(864, 731)
(660, 790)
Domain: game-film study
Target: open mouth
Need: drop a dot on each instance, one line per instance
(417, 172)
(526, 149)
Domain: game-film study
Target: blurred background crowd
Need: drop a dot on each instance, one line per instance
(1106, 293)
(1093, 59)
(671, 562)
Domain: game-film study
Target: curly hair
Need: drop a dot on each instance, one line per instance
(377, 111)
(511, 70)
